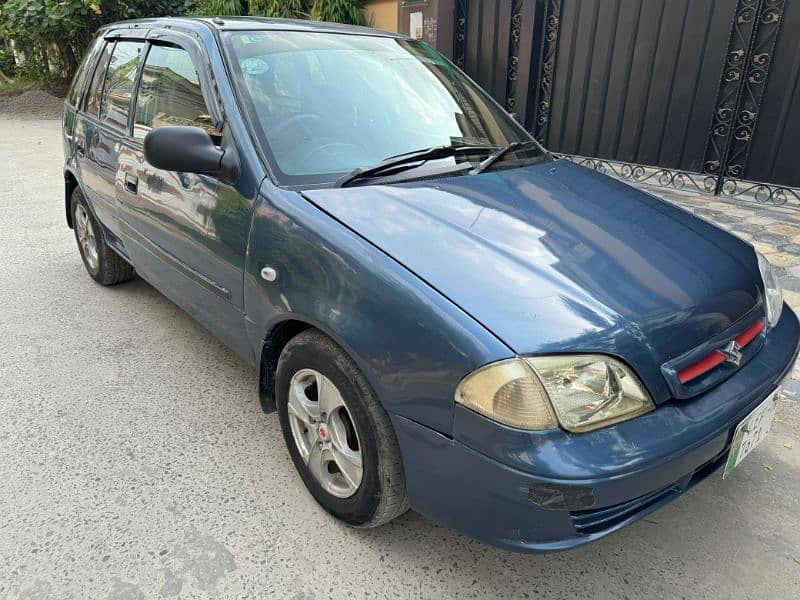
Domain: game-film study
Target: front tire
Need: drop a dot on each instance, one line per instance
(102, 263)
(338, 434)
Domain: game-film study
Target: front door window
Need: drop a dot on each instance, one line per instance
(170, 94)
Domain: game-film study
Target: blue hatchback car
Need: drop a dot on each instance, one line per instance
(444, 316)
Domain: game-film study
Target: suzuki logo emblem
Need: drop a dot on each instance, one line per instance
(733, 353)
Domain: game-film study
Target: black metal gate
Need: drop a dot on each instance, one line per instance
(695, 94)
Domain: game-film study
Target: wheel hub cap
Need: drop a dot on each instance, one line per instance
(324, 433)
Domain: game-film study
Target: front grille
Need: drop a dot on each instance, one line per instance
(707, 365)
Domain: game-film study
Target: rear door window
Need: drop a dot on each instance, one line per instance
(118, 89)
(170, 94)
(96, 88)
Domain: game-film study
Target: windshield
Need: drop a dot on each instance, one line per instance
(324, 104)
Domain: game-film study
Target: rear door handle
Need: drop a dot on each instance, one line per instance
(131, 183)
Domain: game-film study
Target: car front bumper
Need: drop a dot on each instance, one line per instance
(552, 490)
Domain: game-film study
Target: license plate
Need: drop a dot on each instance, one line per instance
(751, 431)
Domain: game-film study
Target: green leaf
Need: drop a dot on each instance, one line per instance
(282, 9)
(340, 11)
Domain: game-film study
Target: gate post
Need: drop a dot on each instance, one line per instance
(767, 26)
(459, 32)
(546, 68)
(744, 75)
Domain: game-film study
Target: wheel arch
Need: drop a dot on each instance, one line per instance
(274, 343)
(275, 340)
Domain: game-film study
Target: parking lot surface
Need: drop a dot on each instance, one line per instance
(135, 462)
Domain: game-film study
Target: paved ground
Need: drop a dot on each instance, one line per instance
(135, 462)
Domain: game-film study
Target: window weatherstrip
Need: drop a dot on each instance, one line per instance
(135, 92)
(105, 79)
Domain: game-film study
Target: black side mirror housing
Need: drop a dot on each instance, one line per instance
(190, 150)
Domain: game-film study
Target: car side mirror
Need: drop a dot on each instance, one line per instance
(190, 150)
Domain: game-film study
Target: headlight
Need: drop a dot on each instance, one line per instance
(589, 391)
(773, 292)
(580, 392)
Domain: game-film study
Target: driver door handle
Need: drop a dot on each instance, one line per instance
(131, 183)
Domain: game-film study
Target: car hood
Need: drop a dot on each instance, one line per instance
(558, 258)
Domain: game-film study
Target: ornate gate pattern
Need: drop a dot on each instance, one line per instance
(667, 92)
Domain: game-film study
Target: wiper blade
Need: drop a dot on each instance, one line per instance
(493, 158)
(406, 161)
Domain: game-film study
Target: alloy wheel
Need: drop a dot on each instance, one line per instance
(86, 237)
(324, 433)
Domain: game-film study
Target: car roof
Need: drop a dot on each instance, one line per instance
(249, 24)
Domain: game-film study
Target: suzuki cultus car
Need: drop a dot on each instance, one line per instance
(444, 315)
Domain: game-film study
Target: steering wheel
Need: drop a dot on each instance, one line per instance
(326, 148)
(305, 120)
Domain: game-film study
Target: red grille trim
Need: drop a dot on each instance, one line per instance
(716, 357)
(749, 334)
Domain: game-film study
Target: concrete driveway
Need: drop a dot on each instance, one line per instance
(135, 463)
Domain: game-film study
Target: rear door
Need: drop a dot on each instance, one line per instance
(103, 127)
(166, 216)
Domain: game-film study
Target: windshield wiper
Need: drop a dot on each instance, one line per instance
(493, 158)
(409, 160)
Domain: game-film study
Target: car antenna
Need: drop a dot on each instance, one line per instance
(218, 21)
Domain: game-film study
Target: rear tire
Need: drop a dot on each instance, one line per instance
(314, 365)
(104, 265)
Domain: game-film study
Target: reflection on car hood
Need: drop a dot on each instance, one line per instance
(556, 257)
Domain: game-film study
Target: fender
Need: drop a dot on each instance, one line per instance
(411, 343)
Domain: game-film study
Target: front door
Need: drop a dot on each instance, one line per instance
(166, 216)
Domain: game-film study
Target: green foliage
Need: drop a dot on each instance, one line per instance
(52, 35)
(282, 9)
(8, 65)
(223, 8)
(285, 9)
(340, 11)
